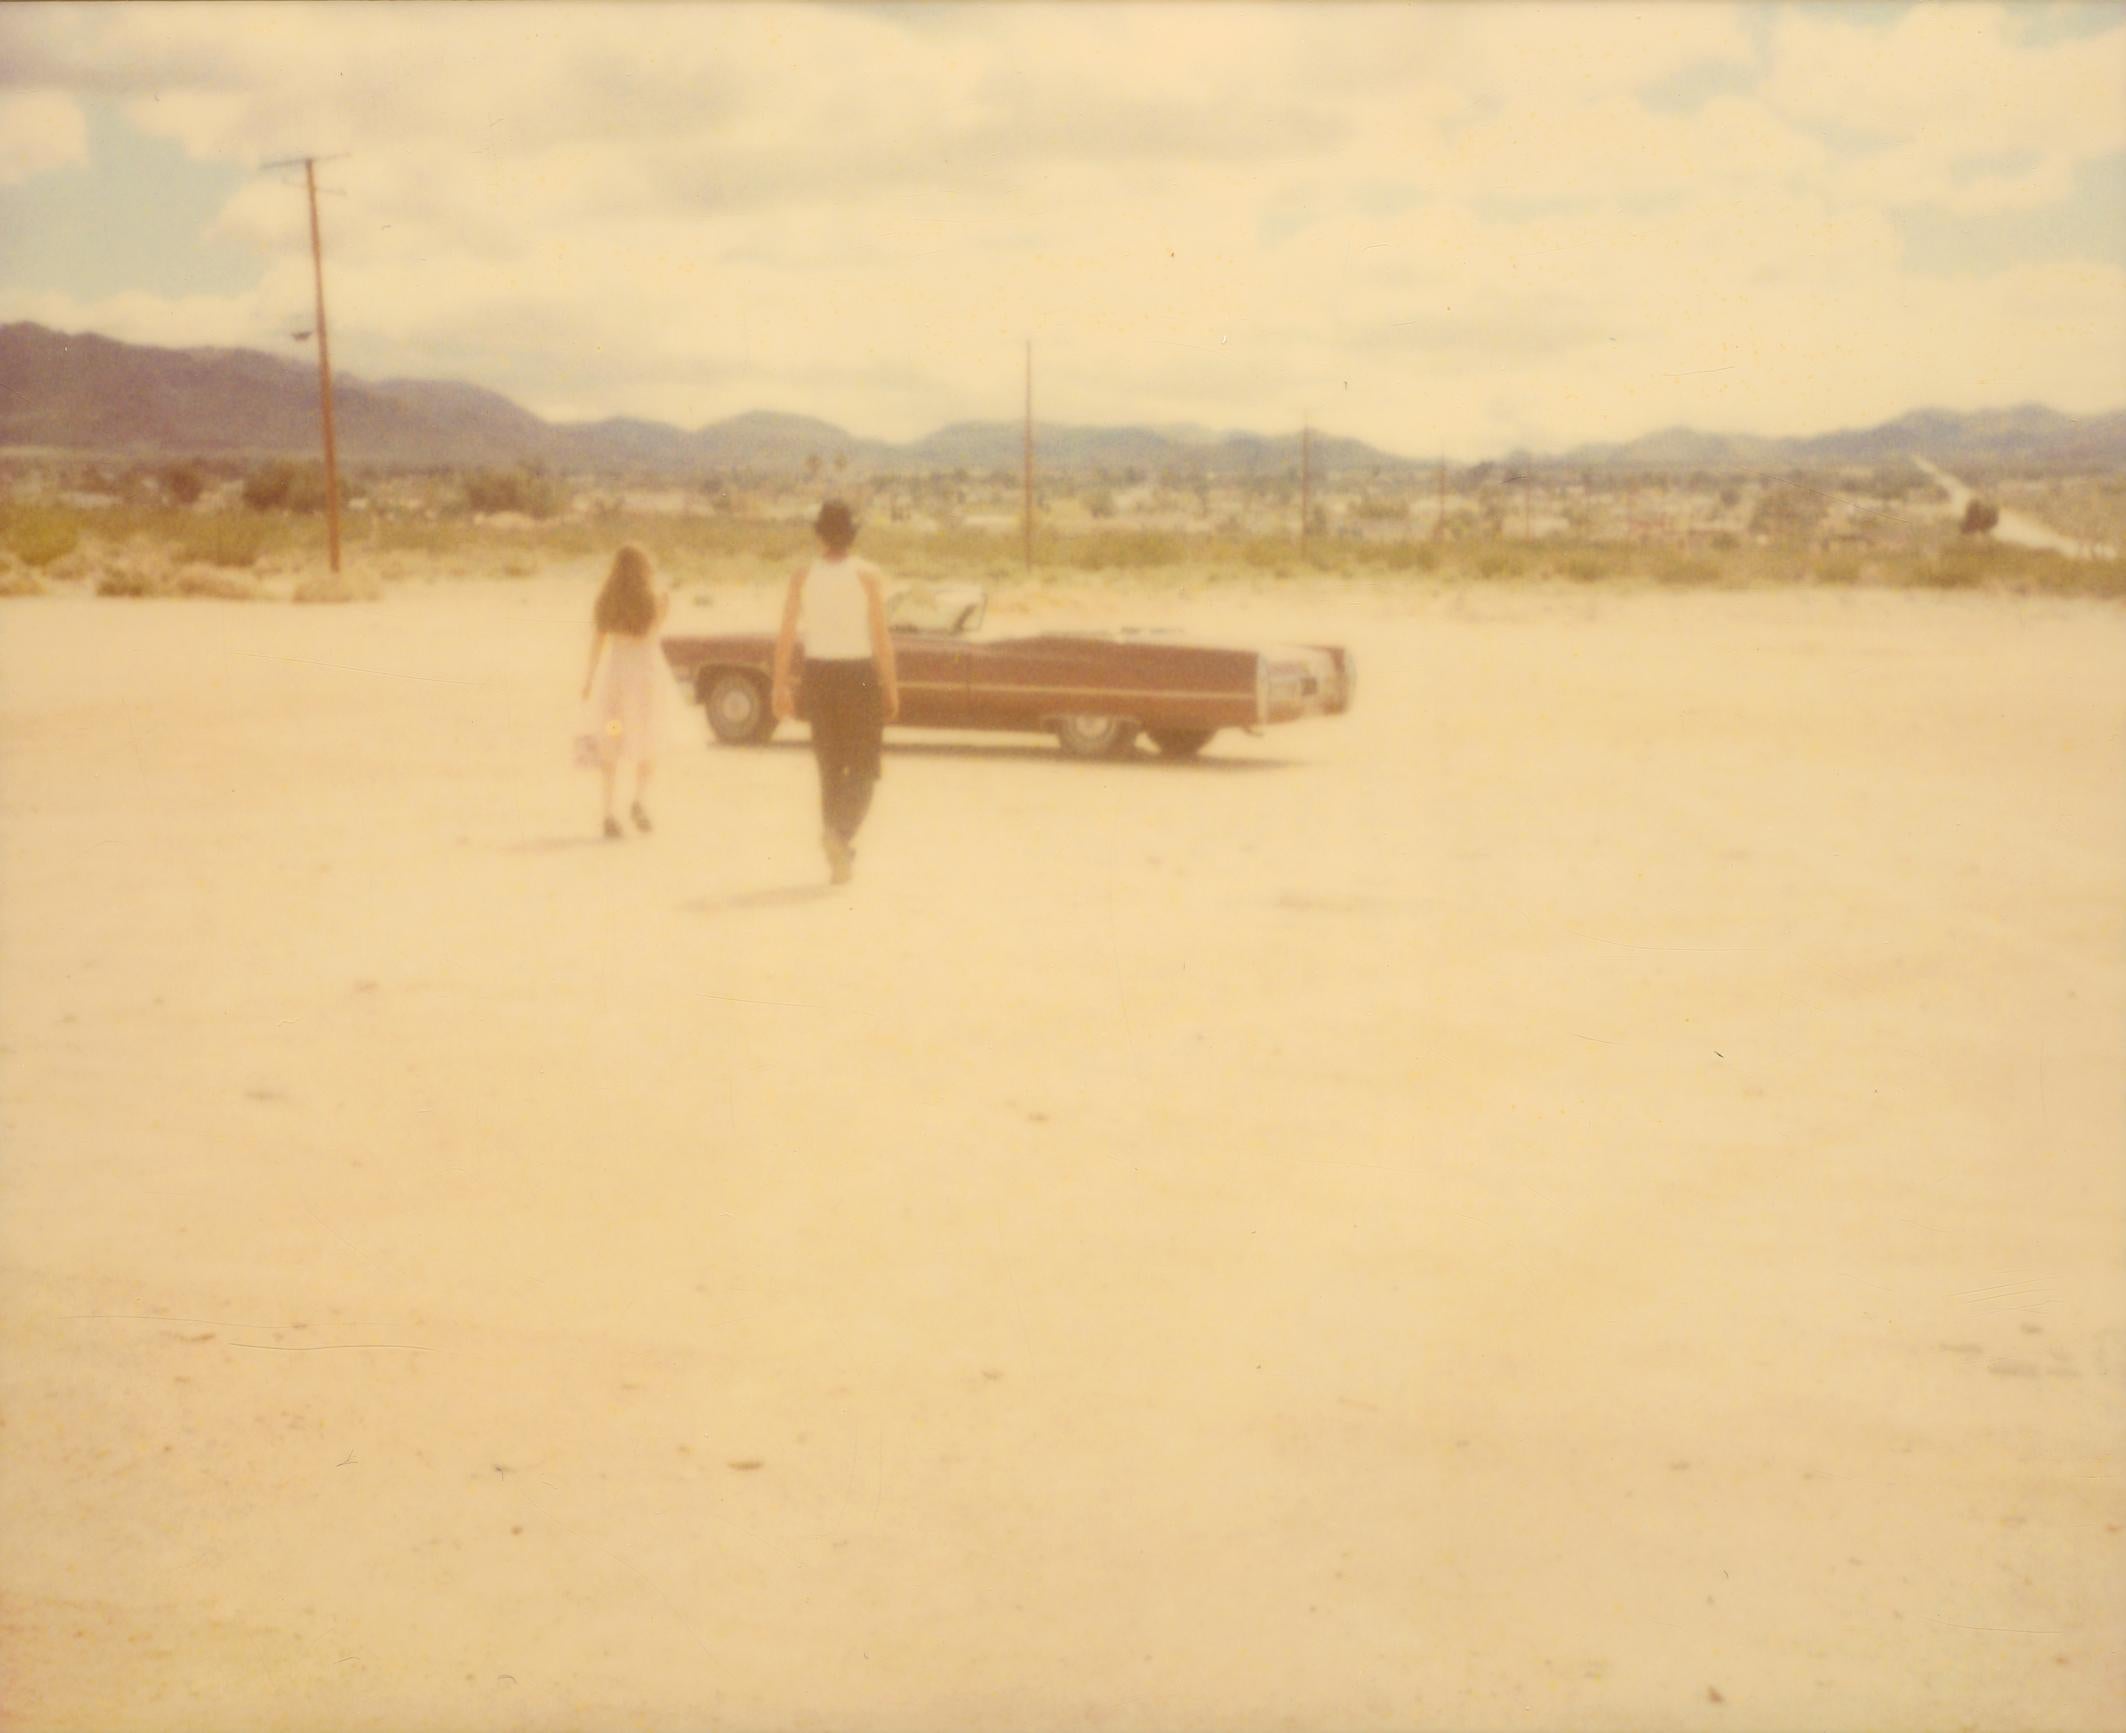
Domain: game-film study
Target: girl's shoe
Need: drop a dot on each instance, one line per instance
(641, 818)
(613, 832)
(841, 858)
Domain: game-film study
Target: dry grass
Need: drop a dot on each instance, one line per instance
(39, 535)
(337, 587)
(212, 585)
(134, 583)
(66, 542)
(227, 539)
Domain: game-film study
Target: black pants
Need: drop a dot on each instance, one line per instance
(848, 718)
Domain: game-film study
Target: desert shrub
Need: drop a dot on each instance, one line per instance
(266, 488)
(306, 493)
(17, 583)
(223, 541)
(1838, 569)
(2024, 571)
(1128, 548)
(414, 535)
(1670, 567)
(1790, 509)
(334, 587)
(40, 535)
(514, 490)
(219, 586)
(1408, 556)
(1499, 560)
(1980, 517)
(133, 582)
(2096, 578)
(1585, 567)
(182, 483)
(1959, 567)
(284, 486)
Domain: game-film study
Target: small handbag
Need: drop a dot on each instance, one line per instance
(588, 749)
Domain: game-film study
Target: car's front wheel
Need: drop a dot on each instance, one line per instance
(738, 709)
(1095, 736)
(1182, 742)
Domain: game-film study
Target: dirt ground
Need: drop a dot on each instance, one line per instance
(1586, 1194)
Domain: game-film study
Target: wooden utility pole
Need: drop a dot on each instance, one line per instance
(324, 361)
(1439, 517)
(324, 371)
(1306, 483)
(1029, 454)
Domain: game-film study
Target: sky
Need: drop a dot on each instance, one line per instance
(1441, 228)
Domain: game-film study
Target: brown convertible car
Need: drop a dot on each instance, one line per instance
(1094, 691)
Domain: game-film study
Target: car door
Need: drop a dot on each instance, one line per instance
(1027, 682)
(933, 673)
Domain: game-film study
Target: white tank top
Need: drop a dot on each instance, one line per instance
(836, 613)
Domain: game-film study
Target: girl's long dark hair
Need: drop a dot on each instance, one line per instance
(625, 603)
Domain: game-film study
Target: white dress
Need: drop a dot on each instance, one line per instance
(632, 703)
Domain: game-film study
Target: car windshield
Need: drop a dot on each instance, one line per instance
(944, 609)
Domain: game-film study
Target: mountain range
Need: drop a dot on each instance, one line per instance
(83, 392)
(2026, 432)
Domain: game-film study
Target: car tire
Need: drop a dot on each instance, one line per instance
(738, 709)
(1182, 742)
(1095, 736)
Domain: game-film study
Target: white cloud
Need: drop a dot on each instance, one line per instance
(39, 130)
(1428, 225)
(138, 316)
(1947, 87)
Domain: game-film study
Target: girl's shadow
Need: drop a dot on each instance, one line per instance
(557, 844)
(770, 897)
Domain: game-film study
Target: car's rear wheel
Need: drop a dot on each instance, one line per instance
(738, 708)
(1095, 736)
(1182, 742)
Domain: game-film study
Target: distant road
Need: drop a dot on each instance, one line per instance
(2016, 527)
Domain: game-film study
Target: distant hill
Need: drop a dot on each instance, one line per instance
(88, 393)
(986, 445)
(1683, 448)
(84, 392)
(2029, 433)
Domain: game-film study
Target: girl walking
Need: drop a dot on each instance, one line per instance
(627, 718)
(837, 607)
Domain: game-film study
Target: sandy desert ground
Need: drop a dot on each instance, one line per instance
(1587, 1194)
